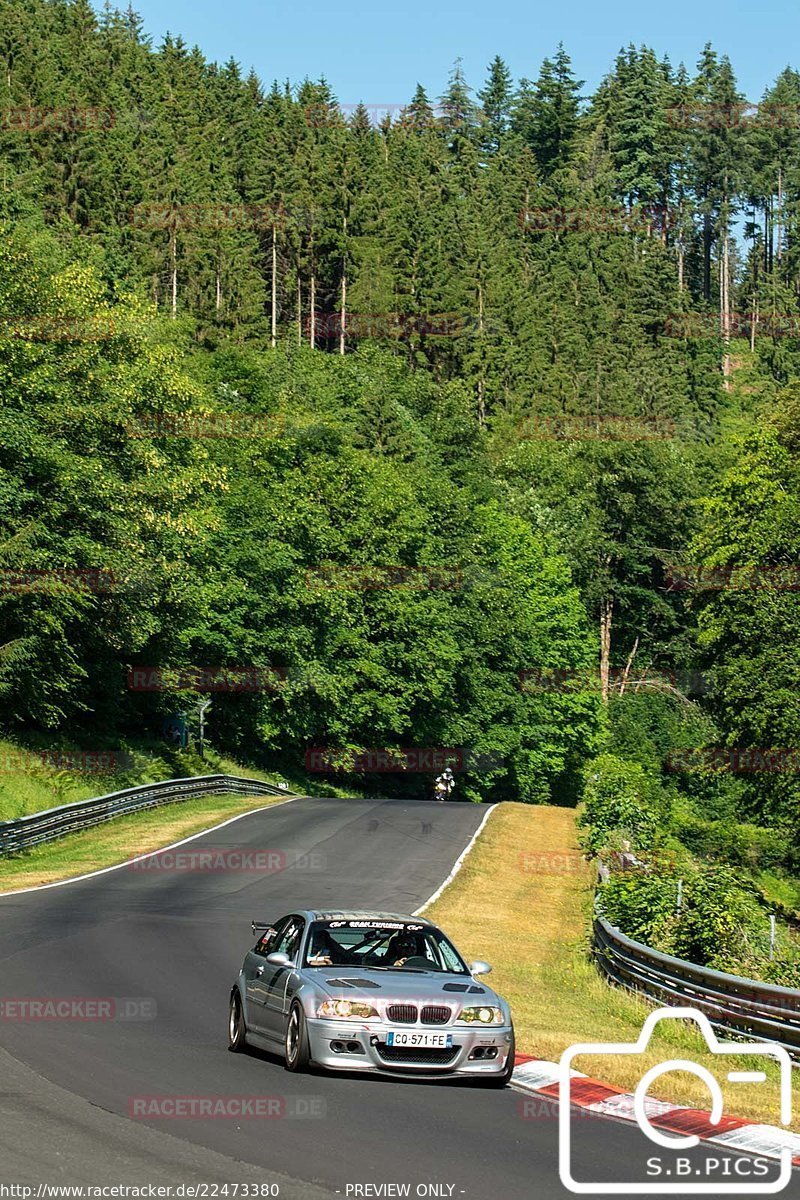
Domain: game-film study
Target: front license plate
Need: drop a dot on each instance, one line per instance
(421, 1037)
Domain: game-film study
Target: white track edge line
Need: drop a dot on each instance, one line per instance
(458, 863)
(43, 887)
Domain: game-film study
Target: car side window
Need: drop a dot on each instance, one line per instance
(288, 939)
(267, 942)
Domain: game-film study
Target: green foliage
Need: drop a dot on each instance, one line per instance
(721, 923)
(467, 414)
(261, 552)
(748, 846)
(76, 493)
(622, 805)
(750, 628)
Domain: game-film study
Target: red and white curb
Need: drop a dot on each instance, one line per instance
(537, 1077)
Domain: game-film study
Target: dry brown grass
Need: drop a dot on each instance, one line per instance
(522, 901)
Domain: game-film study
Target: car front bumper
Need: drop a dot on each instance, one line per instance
(359, 1046)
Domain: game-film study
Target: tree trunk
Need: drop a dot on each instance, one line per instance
(312, 312)
(707, 239)
(778, 225)
(606, 614)
(343, 314)
(274, 316)
(481, 380)
(628, 664)
(299, 313)
(343, 307)
(725, 308)
(173, 259)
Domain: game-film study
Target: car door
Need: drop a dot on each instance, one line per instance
(277, 980)
(255, 968)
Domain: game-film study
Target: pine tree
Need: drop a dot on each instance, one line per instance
(418, 115)
(547, 113)
(495, 98)
(458, 113)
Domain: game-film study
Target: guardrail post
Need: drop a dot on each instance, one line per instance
(6, 829)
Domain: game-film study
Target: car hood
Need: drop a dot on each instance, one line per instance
(345, 983)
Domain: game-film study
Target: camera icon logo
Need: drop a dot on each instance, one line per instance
(688, 1184)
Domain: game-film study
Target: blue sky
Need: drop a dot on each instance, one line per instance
(376, 52)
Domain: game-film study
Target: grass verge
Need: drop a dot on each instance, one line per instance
(32, 778)
(522, 901)
(121, 839)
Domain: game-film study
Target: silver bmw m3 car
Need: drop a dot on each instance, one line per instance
(369, 991)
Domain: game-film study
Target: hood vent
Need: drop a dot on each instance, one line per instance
(353, 983)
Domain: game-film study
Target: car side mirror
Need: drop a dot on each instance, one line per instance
(479, 968)
(279, 959)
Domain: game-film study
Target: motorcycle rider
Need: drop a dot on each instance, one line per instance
(444, 784)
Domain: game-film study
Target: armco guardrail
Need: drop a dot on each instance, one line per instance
(25, 832)
(740, 1006)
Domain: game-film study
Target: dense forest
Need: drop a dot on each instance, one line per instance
(474, 426)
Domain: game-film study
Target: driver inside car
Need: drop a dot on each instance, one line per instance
(402, 947)
(325, 951)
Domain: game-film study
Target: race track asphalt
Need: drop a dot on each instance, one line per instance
(174, 940)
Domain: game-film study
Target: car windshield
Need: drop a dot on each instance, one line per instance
(382, 945)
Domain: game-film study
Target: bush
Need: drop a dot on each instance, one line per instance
(729, 841)
(623, 804)
(721, 923)
(650, 726)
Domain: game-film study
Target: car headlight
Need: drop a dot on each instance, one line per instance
(484, 1015)
(345, 1009)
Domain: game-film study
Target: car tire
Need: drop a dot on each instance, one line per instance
(296, 1047)
(504, 1078)
(237, 1029)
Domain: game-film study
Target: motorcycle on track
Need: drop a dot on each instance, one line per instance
(443, 785)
